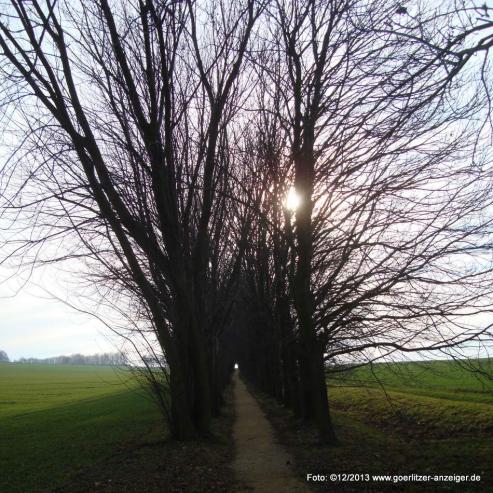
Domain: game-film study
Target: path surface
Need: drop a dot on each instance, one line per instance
(261, 463)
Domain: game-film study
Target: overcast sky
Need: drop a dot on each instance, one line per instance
(32, 325)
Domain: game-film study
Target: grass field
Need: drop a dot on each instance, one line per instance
(67, 424)
(419, 398)
(421, 417)
(442, 379)
(56, 420)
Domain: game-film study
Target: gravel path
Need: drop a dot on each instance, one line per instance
(260, 462)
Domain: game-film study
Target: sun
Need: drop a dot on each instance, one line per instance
(293, 200)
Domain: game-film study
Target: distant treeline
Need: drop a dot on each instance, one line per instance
(117, 359)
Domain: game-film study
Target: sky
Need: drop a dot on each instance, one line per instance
(33, 325)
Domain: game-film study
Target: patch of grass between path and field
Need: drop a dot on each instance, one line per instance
(431, 399)
(366, 449)
(412, 415)
(156, 466)
(432, 418)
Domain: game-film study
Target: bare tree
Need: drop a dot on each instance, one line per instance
(384, 112)
(146, 148)
(132, 102)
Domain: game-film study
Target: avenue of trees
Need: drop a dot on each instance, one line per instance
(290, 184)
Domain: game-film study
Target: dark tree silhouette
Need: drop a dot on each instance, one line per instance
(157, 142)
(382, 115)
(129, 151)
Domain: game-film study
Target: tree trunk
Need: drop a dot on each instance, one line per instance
(202, 408)
(312, 368)
(182, 425)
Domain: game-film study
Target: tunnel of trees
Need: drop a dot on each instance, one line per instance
(293, 185)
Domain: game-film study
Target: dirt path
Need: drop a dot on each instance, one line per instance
(260, 461)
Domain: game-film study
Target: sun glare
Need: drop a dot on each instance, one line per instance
(293, 200)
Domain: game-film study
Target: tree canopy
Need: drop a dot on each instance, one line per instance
(156, 143)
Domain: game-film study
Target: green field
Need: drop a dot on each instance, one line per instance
(443, 379)
(426, 398)
(56, 420)
(59, 423)
(416, 417)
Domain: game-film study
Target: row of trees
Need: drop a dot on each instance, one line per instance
(106, 359)
(389, 249)
(156, 143)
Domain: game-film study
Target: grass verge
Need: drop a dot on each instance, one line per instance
(366, 448)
